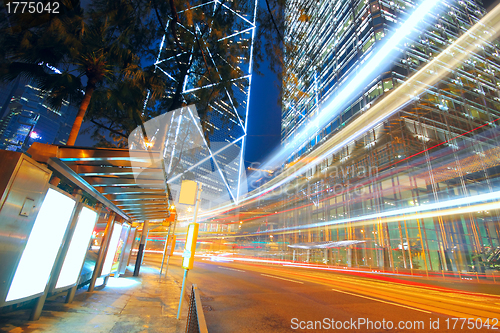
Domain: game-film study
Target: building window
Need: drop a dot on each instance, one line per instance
(374, 92)
(388, 85)
(367, 44)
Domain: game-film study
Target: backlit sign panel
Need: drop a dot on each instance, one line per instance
(77, 249)
(39, 255)
(188, 255)
(113, 245)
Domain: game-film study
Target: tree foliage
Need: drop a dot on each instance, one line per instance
(75, 54)
(102, 59)
(273, 43)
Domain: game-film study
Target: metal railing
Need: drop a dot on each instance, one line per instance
(195, 319)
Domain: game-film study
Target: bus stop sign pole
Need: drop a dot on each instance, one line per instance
(190, 248)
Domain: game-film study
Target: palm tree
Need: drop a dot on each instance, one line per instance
(92, 58)
(119, 109)
(72, 55)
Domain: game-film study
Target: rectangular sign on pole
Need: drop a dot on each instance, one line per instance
(188, 192)
(192, 236)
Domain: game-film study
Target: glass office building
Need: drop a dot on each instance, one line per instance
(442, 146)
(383, 199)
(216, 78)
(26, 118)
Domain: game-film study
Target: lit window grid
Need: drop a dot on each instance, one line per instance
(295, 114)
(439, 124)
(232, 109)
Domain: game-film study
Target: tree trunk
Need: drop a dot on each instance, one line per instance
(177, 98)
(89, 90)
(177, 101)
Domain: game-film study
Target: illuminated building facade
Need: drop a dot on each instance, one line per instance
(385, 191)
(215, 77)
(25, 118)
(394, 166)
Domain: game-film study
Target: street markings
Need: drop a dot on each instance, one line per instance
(231, 269)
(379, 300)
(277, 277)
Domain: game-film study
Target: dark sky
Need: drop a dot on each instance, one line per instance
(264, 116)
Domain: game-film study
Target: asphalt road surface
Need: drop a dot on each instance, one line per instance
(249, 297)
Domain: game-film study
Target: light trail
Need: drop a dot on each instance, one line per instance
(416, 85)
(453, 207)
(483, 31)
(348, 270)
(374, 66)
(392, 172)
(446, 208)
(379, 300)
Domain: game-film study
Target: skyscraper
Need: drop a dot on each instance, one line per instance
(25, 118)
(428, 153)
(208, 64)
(417, 190)
(333, 40)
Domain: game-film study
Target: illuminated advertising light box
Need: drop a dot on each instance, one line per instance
(113, 246)
(188, 255)
(39, 255)
(120, 248)
(77, 248)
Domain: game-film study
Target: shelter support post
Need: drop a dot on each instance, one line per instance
(140, 253)
(102, 251)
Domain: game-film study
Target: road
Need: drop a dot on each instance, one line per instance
(248, 297)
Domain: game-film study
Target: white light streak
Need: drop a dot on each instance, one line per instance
(333, 107)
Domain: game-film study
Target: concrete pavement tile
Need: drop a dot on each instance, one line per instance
(86, 323)
(169, 310)
(121, 302)
(129, 325)
(142, 307)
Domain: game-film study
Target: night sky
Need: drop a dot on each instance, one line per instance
(264, 117)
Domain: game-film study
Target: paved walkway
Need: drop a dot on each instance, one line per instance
(126, 304)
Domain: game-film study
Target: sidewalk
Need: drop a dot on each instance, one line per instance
(127, 304)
